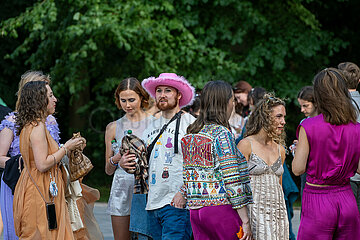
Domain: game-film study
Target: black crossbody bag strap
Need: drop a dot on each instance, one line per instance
(176, 140)
(151, 146)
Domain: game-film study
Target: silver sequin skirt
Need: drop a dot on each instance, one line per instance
(122, 187)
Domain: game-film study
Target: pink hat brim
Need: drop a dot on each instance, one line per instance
(171, 79)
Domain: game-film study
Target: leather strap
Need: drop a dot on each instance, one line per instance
(42, 196)
(151, 146)
(176, 140)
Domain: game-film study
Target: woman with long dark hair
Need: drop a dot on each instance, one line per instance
(264, 151)
(10, 148)
(215, 173)
(329, 151)
(40, 210)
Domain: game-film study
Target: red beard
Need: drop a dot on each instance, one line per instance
(164, 106)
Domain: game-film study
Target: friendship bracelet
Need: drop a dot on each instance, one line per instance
(112, 162)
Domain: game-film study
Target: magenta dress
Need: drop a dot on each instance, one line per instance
(330, 212)
(6, 197)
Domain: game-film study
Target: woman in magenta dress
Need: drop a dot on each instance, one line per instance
(329, 151)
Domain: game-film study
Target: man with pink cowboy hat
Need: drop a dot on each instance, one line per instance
(165, 203)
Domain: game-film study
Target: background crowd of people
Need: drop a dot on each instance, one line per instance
(215, 165)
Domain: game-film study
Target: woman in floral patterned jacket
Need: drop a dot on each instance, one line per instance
(216, 177)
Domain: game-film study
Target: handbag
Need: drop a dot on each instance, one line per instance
(134, 145)
(79, 164)
(12, 171)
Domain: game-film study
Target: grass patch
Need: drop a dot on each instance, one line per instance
(104, 192)
(297, 203)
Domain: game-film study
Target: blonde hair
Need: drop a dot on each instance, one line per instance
(30, 76)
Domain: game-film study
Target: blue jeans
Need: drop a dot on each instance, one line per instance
(139, 219)
(172, 223)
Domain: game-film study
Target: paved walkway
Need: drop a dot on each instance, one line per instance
(105, 222)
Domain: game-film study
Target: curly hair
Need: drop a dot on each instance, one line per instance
(351, 74)
(30, 76)
(261, 118)
(33, 103)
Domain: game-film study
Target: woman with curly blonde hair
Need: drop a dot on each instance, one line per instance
(264, 151)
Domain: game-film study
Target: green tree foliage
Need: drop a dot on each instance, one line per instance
(89, 46)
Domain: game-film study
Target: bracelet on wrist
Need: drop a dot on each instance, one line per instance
(112, 162)
(63, 146)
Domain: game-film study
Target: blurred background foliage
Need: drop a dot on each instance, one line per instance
(88, 46)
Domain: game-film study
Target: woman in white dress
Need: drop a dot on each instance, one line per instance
(132, 98)
(264, 151)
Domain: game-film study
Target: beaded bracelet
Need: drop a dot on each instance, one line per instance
(112, 162)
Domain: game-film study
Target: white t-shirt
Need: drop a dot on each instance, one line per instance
(165, 167)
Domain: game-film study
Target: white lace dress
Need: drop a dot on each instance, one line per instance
(268, 214)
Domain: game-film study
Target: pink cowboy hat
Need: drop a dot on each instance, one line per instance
(171, 79)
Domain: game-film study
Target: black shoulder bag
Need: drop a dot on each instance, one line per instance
(12, 171)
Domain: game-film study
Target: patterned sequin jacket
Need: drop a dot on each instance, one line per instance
(215, 172)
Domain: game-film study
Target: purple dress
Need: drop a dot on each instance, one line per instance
(333, 158)
(6, 197)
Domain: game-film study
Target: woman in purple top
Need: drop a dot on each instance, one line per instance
(329, 151)
(10, 146)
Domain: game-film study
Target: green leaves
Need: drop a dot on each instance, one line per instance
(76, 16)
(202, 40)
(88, 47)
